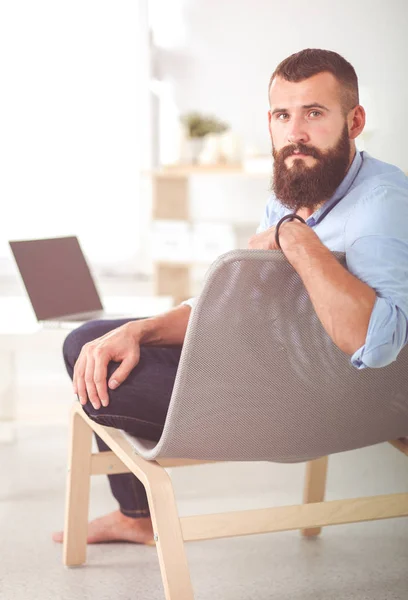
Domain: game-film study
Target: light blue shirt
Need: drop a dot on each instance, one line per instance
(367, 218)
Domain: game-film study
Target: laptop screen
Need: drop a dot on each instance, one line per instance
(56, 276)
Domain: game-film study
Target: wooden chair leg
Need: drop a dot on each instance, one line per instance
(77, 494)
(162, 504)
(168, 536)
(315, 487)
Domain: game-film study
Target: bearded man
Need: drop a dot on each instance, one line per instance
(344, 200)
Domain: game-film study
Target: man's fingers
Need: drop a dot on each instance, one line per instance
(263, 241)
(100, 376)
(75, 375)
(83, 398)
(78, 376)
(90, 371)
(90, 384)
(123, 371)
(79, 380)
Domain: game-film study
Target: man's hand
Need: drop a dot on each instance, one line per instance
(90, 372)
(291, 235)
(264, 240)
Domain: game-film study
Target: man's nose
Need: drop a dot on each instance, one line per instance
(297, 134)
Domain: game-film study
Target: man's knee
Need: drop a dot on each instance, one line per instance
(77, 338)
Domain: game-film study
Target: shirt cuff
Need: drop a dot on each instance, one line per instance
(386, 336)
(190, 302)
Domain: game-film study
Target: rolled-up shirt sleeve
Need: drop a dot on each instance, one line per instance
(386, 335)
(377, 253)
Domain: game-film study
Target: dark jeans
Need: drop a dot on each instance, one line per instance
(139, 405)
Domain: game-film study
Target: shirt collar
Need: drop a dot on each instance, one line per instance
(340, 192)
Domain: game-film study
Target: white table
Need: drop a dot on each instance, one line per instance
(19, 330)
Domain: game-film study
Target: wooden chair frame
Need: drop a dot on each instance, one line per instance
(171, 531)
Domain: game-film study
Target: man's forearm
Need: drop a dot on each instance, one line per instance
(342, 302)
(164, 330)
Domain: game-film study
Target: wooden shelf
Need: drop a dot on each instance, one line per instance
(170, 189)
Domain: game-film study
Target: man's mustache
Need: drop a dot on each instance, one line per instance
(290, 150)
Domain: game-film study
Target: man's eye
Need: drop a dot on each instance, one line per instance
(282, 115)
(315, 112)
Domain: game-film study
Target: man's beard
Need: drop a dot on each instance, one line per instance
(307, 187)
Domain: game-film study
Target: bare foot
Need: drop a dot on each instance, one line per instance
(116, 527)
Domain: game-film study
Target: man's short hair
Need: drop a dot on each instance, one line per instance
(309, 62)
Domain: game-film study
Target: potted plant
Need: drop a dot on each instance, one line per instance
(197, 126)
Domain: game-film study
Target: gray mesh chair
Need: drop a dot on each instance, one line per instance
(259, 380)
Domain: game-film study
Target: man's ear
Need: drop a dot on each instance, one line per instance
(269, 122)
(356, 121)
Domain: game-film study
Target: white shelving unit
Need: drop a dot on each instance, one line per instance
(199, 213)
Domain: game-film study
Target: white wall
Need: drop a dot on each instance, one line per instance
(230, 49)
(74, 123)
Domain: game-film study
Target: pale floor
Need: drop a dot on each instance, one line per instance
(367, 561)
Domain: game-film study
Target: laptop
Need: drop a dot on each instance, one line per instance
(58, 280)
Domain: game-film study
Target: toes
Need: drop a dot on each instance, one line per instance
(58, 536)
(150, 543)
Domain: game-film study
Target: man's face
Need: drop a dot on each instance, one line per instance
(310, 140)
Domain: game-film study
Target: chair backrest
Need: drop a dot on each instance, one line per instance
(260, 379)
